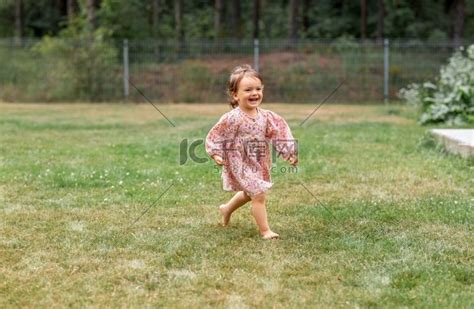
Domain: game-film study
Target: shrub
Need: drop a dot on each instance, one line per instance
(81, 66)
(450, 99)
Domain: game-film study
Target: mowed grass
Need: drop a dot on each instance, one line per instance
(390, 223)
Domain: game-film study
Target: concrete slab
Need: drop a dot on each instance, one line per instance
(458, 141)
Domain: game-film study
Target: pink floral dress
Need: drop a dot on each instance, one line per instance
(243, 142)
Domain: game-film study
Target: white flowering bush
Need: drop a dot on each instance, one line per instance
(450, 99)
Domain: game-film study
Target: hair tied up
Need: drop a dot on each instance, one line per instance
(236, 76)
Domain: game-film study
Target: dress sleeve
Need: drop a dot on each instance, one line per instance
(279, 134)
(221, 136)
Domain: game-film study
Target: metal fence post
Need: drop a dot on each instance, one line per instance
(386, 69)
(256, 54)
(125, 69)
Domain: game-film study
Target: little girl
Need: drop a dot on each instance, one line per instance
(240, 142)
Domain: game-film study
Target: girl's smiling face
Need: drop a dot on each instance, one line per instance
(249, 94)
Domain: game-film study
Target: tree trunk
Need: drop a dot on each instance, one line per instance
(218, 18)
(91, 18)
(293, 21)
(70, 10)
(236, 19)
(18, 21)
(380, 20)
(256, 19)
(178, 23)
(458, 16)
(155, 8)
(363, 19)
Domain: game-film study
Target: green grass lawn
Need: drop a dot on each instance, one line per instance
(396, 228)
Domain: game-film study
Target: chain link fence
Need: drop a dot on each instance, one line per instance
(197, 71)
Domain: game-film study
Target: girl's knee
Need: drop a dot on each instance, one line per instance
(259, 198)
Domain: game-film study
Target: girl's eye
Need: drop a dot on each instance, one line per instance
(258, 89)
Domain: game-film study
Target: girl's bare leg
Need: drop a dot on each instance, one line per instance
(259, 212)
(239, 199)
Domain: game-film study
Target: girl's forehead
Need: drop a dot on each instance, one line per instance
(249, 81)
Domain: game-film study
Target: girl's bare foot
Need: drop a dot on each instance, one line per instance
(270, 235)
(225, 214)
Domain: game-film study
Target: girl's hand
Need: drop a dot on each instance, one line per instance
(293, 161)
(218, 159)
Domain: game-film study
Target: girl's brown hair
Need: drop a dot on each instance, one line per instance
(236, 76)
